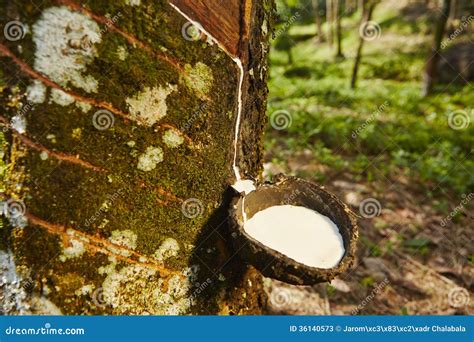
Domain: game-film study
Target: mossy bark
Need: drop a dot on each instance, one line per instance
(130, 217)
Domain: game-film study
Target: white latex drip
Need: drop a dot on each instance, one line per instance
(240, 185)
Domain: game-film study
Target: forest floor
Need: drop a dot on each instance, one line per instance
(384, 145)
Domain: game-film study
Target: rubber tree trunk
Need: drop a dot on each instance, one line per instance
(338, 11)
(361, 6)
(429, 76)
(317, 17)
(329, 22)
(120, 118)
(368, 16)
(453, 13)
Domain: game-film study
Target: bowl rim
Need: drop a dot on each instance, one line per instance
(318, 274)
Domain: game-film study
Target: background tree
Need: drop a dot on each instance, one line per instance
(339, 12)
(433, 57)
(329, 21)
(317, 17)
(370, 4)
(120, 119)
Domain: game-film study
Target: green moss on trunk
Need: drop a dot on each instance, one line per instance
(92, 239)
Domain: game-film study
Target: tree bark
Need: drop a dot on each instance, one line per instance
(361, 5)
(125, 161)
(429, 76)
(317, 17)
(453, 14)
(329, 21)
(338, 11)
(368, 16)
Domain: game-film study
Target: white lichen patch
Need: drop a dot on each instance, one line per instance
(148, 160)
(18, 123)
(60, 97)
(139, 290)
(13, 294)
(85, 290)
(44, 155)
(172, 139)
(73, 250)
(52, 138)
(125, 238)
(149, 105)
(36, 92)
(84, 107)
(169, 248)
(199, 77)
(65, 44)
(122, 53)
(133, 2)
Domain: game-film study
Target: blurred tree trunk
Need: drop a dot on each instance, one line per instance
(338, 11)
(349, 6)
(368, 16)
(317, 17)
(329, 21)
(361, 6)
(430, 74)
(453, 13)
(120, 118)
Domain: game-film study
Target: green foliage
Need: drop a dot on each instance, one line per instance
(383, 128)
